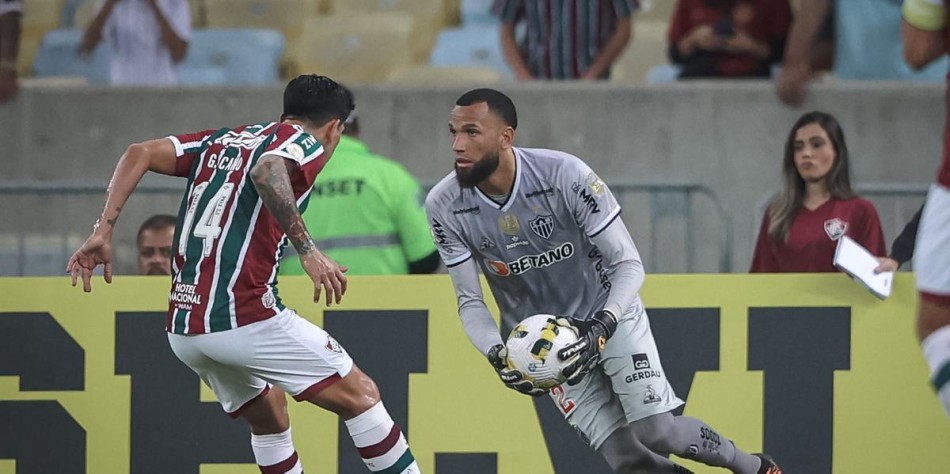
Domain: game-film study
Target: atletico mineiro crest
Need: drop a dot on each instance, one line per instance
(542, 225)
(835, 228)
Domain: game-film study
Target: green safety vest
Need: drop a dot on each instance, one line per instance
(366, 213)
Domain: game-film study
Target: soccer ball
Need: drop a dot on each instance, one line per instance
(533, 346)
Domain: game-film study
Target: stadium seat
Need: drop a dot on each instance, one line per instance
(435, 76)
(232, 57)
(355, 49)
(39, 17)
(428, 18)
(57, 57)
(470, 46)
(286, 16)
(647, 48)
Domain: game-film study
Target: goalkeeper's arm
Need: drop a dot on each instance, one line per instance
(476, 319)
(922, 31)
(623, 264)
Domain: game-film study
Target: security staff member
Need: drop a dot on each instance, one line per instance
(366, 213)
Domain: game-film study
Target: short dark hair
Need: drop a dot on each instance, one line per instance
(156, 222)
(498, 103)
(352, 122)
(317, 99)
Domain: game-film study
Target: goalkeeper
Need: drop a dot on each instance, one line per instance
(547, 234)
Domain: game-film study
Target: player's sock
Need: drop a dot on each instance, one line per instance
(380, 442)
(936, 348)
(275, 453)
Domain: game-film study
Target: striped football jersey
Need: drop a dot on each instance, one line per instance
(227, 245)
(535, 248)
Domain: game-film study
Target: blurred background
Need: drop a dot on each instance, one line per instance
(693, 157)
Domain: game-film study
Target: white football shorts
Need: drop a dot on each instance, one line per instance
(627, 385)
(241, 364)
(932, 251)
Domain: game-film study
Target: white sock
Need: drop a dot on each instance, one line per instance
(275, 453)
(380, 442)
(936, 348)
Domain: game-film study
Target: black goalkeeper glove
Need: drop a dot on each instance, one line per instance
(513, 378)
(593, 334)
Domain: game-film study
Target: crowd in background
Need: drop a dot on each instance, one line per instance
(791, 42)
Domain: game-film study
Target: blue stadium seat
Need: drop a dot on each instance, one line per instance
(57, 57)
(663, 74)
(232, 57)
(471, 46)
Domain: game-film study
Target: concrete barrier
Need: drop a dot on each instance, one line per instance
(724, 135)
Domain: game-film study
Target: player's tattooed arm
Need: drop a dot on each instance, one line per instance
(272, 180)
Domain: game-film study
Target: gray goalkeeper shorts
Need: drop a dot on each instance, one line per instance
(627, 385)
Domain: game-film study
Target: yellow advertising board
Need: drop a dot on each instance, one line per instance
(809, 364)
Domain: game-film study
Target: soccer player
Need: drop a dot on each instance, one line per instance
(547, 233)
(246, 186)
(925, 40)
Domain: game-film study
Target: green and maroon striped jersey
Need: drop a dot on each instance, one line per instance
(227, 245)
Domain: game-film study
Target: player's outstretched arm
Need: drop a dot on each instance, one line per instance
(272, 180)
(139, 158)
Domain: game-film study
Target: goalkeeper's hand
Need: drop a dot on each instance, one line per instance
(592, 336)
(512, 378)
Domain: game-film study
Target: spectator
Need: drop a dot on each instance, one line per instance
(379, 226)
(10, 11)
(147, 37)
(551, 47)
(728, 38)
(801, 227)
(154, 243)
(903, 247)
(867, 45)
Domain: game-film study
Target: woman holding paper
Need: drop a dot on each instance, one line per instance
(802, 225)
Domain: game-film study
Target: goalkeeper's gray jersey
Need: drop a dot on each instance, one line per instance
(535, 248)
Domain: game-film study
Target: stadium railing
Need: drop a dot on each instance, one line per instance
(678, 227)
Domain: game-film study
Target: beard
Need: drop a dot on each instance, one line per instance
(480, 171)
(156, 270)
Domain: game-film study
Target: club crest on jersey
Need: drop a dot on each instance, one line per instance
(334, 346)
(268, 300)
(542, 225)
(509, 224)
(835, 228)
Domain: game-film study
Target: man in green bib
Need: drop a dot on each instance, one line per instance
(366, 212)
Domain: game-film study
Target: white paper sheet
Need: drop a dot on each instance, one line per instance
(856, 261)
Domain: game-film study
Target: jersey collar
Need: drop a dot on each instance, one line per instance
(514, 188)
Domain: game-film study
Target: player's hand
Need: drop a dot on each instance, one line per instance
(512, 378)
(325, 274)
(96, 250)
(592, 336)
(886, 264)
